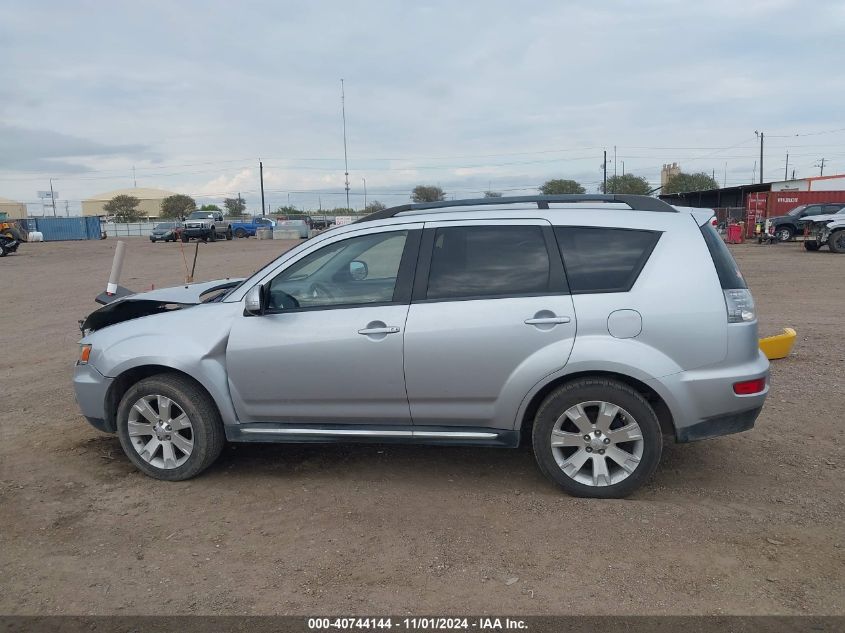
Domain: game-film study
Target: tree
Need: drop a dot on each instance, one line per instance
(374, 206)
(682, 183)
(289, 210)
(492, 194)
(558, 186)
(427, 193)
(627, 183)
(177, 206)
(235, 206)
(210, 207)
(124, 208)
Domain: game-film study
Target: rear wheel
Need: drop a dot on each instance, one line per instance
(3, 250)
(169, 427)
(240, 233)
(596, 437)
(836, 242)
(784, 233)
(811, 245)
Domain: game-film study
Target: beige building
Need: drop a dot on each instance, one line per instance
(668, 172)
(150, 204)
(12, 209)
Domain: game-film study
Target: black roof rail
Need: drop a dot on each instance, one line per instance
(637, 203)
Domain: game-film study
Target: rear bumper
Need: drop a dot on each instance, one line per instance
(720, 425)
(703, 403)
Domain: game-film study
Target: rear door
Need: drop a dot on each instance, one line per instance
(490, 317)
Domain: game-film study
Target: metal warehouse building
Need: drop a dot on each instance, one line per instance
(12, 209)
(150, 200)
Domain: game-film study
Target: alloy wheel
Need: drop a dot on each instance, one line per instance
(160, 431)
(597, 443)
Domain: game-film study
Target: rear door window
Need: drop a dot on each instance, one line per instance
(488, 261)
(600, 259)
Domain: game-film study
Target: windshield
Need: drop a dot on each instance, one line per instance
(200, 215)
(797, 210)
(164, 225)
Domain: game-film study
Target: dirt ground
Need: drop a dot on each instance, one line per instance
(747, 524)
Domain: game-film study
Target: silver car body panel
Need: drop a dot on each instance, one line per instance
(464, 363)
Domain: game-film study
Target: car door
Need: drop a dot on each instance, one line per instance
(328, 349)
(490, 317)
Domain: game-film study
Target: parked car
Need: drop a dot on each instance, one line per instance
(206, 226)
(826, 230)
(298, 224)
(248, 228)
(552, 322)
(785, 227)
(307, 218)
(166, 232)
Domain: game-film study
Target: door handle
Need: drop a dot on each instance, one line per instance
(378, 330)
(548, 320)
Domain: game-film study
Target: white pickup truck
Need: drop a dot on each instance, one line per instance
(206, 226)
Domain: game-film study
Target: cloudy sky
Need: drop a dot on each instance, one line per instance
(469, 95)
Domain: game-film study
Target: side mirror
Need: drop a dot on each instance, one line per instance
(255, 302)
(358, 271)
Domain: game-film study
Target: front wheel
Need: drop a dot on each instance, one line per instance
(811, 245)
(213, 235)
(169, 427)
(241, 233)
(229, 234)
(836, 242)
(596, 437)
(185, 239)
(784, 233)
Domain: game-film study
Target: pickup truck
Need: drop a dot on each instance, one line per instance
(247, 228)
(206, 226)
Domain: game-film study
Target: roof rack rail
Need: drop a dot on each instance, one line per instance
(637, 203)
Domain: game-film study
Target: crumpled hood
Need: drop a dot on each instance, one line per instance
(141, 304)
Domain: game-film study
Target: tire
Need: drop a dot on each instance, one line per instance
(836, 242)
(811, 245)
(185, 239)
(229, 234)
(626, 409)
(203, 437)
(152, 239)
(239, 233)
(784, 233)
(213, 235)
(3, 249)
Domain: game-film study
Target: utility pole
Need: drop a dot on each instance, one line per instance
(786, 167)
(365, 191)
(760, 135)
(345, 161)
(725, 178)
(53, 197)
(820, 165)
(134, 180)
(67, 210)
(614, 169)
(623, 168)
(604, 173)
(261, 175)
(240, 204)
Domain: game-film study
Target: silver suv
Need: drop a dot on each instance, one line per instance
(591, 326)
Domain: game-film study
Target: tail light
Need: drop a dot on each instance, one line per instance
(749, 387)
(740, 305)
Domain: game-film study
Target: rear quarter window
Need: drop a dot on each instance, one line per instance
(726, 267)
(600, 259)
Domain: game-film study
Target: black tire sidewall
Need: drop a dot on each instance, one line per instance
(836, 242)
(205, 421)
(585, 390)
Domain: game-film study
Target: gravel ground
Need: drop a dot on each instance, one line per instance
(747, 524)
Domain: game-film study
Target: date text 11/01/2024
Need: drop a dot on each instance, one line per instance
(424, 623)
